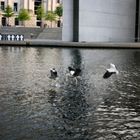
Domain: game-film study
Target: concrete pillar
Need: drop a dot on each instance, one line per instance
(110, 20)
(98, 20)
(67, 31)
(137, 22)
(75, 20)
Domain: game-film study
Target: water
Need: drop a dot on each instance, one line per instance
(35, 107)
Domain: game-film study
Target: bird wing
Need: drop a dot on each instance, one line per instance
(107, 74)
(112, 66)
(113, 69)
(71, 69)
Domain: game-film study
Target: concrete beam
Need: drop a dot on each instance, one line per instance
(75, 20)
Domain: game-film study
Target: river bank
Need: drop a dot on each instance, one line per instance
(64, 44)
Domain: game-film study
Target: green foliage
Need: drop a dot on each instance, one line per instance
(23, 15)
(8, 12)
(51, 16)
(40, 12)
(59, 11)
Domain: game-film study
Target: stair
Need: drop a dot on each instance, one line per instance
(51, 34)
(26, 31)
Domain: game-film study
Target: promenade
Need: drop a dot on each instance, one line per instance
(64, 44)
(52, 37)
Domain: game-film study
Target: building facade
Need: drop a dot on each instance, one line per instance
(100, 20)
(31, 6)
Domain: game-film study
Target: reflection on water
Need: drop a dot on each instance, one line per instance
(34, 107)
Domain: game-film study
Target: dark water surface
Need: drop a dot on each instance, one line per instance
(34, 107)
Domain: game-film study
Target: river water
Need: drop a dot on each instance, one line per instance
(35, 107)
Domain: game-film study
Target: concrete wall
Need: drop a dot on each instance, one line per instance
(52, 5)
(67, 31)
(109, 20)
(101, 20)
(27, 4)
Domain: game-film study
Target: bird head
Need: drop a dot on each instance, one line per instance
(70, 68)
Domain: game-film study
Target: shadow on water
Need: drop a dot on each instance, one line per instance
(76, 59)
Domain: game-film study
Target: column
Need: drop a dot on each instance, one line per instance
(75, 20)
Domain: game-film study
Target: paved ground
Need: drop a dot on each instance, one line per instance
(55, 43)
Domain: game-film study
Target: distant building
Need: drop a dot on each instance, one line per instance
(31, 6)
(101, 20)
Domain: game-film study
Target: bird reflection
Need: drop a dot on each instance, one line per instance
(76, 58)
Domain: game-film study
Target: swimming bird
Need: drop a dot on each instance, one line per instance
(53, 73)
(110, 71)
(74, 72)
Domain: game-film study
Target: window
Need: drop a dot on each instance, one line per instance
(58, 23)
(38, 23)
(15, 6)
(16, 21)
(58, 1)
(36, 4)
(2, 5)
(3, 21)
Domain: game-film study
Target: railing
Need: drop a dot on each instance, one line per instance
(11, 37)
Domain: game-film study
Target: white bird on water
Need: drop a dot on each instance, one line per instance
(110, 71)
(74, 72)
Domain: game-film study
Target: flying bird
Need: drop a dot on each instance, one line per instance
(110, 71)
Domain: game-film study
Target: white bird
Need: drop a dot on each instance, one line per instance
(74, 72)
(110, 71)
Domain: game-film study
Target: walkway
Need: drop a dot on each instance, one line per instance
(55, 43)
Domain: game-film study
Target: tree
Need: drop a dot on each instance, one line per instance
(8, 12)
(40, 14)
(59, 11)
(51, 16)
(23, 15)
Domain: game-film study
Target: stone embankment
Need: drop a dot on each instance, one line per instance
(52, 37)
(64, 44)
